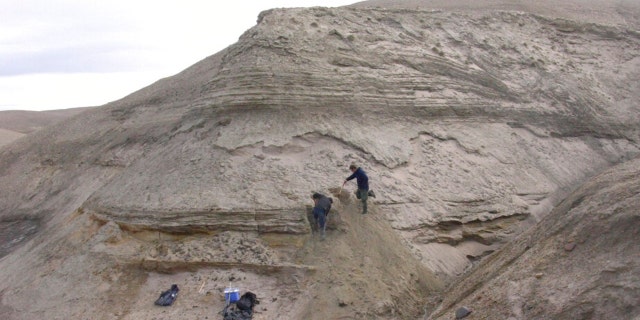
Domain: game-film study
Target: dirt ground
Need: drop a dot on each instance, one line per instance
(362, 270)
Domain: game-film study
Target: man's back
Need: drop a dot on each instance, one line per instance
(325, 202)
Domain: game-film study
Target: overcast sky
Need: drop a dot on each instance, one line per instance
(57, 54)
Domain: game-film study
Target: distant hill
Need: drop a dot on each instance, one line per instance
(6, 136)
(16, 123)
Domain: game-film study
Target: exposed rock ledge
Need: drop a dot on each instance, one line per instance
(292, 221)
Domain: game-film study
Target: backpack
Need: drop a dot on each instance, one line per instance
(247, 301)
(241, 309)
(168, 297)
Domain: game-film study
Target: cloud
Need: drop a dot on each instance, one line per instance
(79, 59)
(66, 37)
(111, 36)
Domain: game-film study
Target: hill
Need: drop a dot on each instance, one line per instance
(580, 262)
(16, 123)
(473, 127)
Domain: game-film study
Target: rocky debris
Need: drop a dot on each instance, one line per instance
(570, 246)
(462, 313)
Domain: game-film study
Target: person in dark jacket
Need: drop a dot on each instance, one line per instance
(322, 205)
(362, 180)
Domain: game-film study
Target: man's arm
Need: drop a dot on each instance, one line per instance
(351, 176)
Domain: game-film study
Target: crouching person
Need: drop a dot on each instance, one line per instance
(322, 205)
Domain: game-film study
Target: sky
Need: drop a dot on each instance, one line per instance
(58, 54)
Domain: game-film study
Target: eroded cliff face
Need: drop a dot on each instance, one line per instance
(471, 128)
(579, 262)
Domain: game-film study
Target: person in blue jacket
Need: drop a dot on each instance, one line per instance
(362, 180)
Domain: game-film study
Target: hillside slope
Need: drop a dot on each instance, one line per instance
(7, 136)
(580, 262)
(472, 128)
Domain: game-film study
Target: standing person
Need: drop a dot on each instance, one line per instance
(363, 185)
(322, 205)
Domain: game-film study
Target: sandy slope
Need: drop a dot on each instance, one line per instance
(7, 136)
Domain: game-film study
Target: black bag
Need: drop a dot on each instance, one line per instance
(168, 297)
(247, 301)
(231, 312)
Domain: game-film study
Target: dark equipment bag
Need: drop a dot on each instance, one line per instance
(168, 297)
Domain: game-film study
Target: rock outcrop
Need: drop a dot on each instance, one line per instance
(472, 127)
(580, 262)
